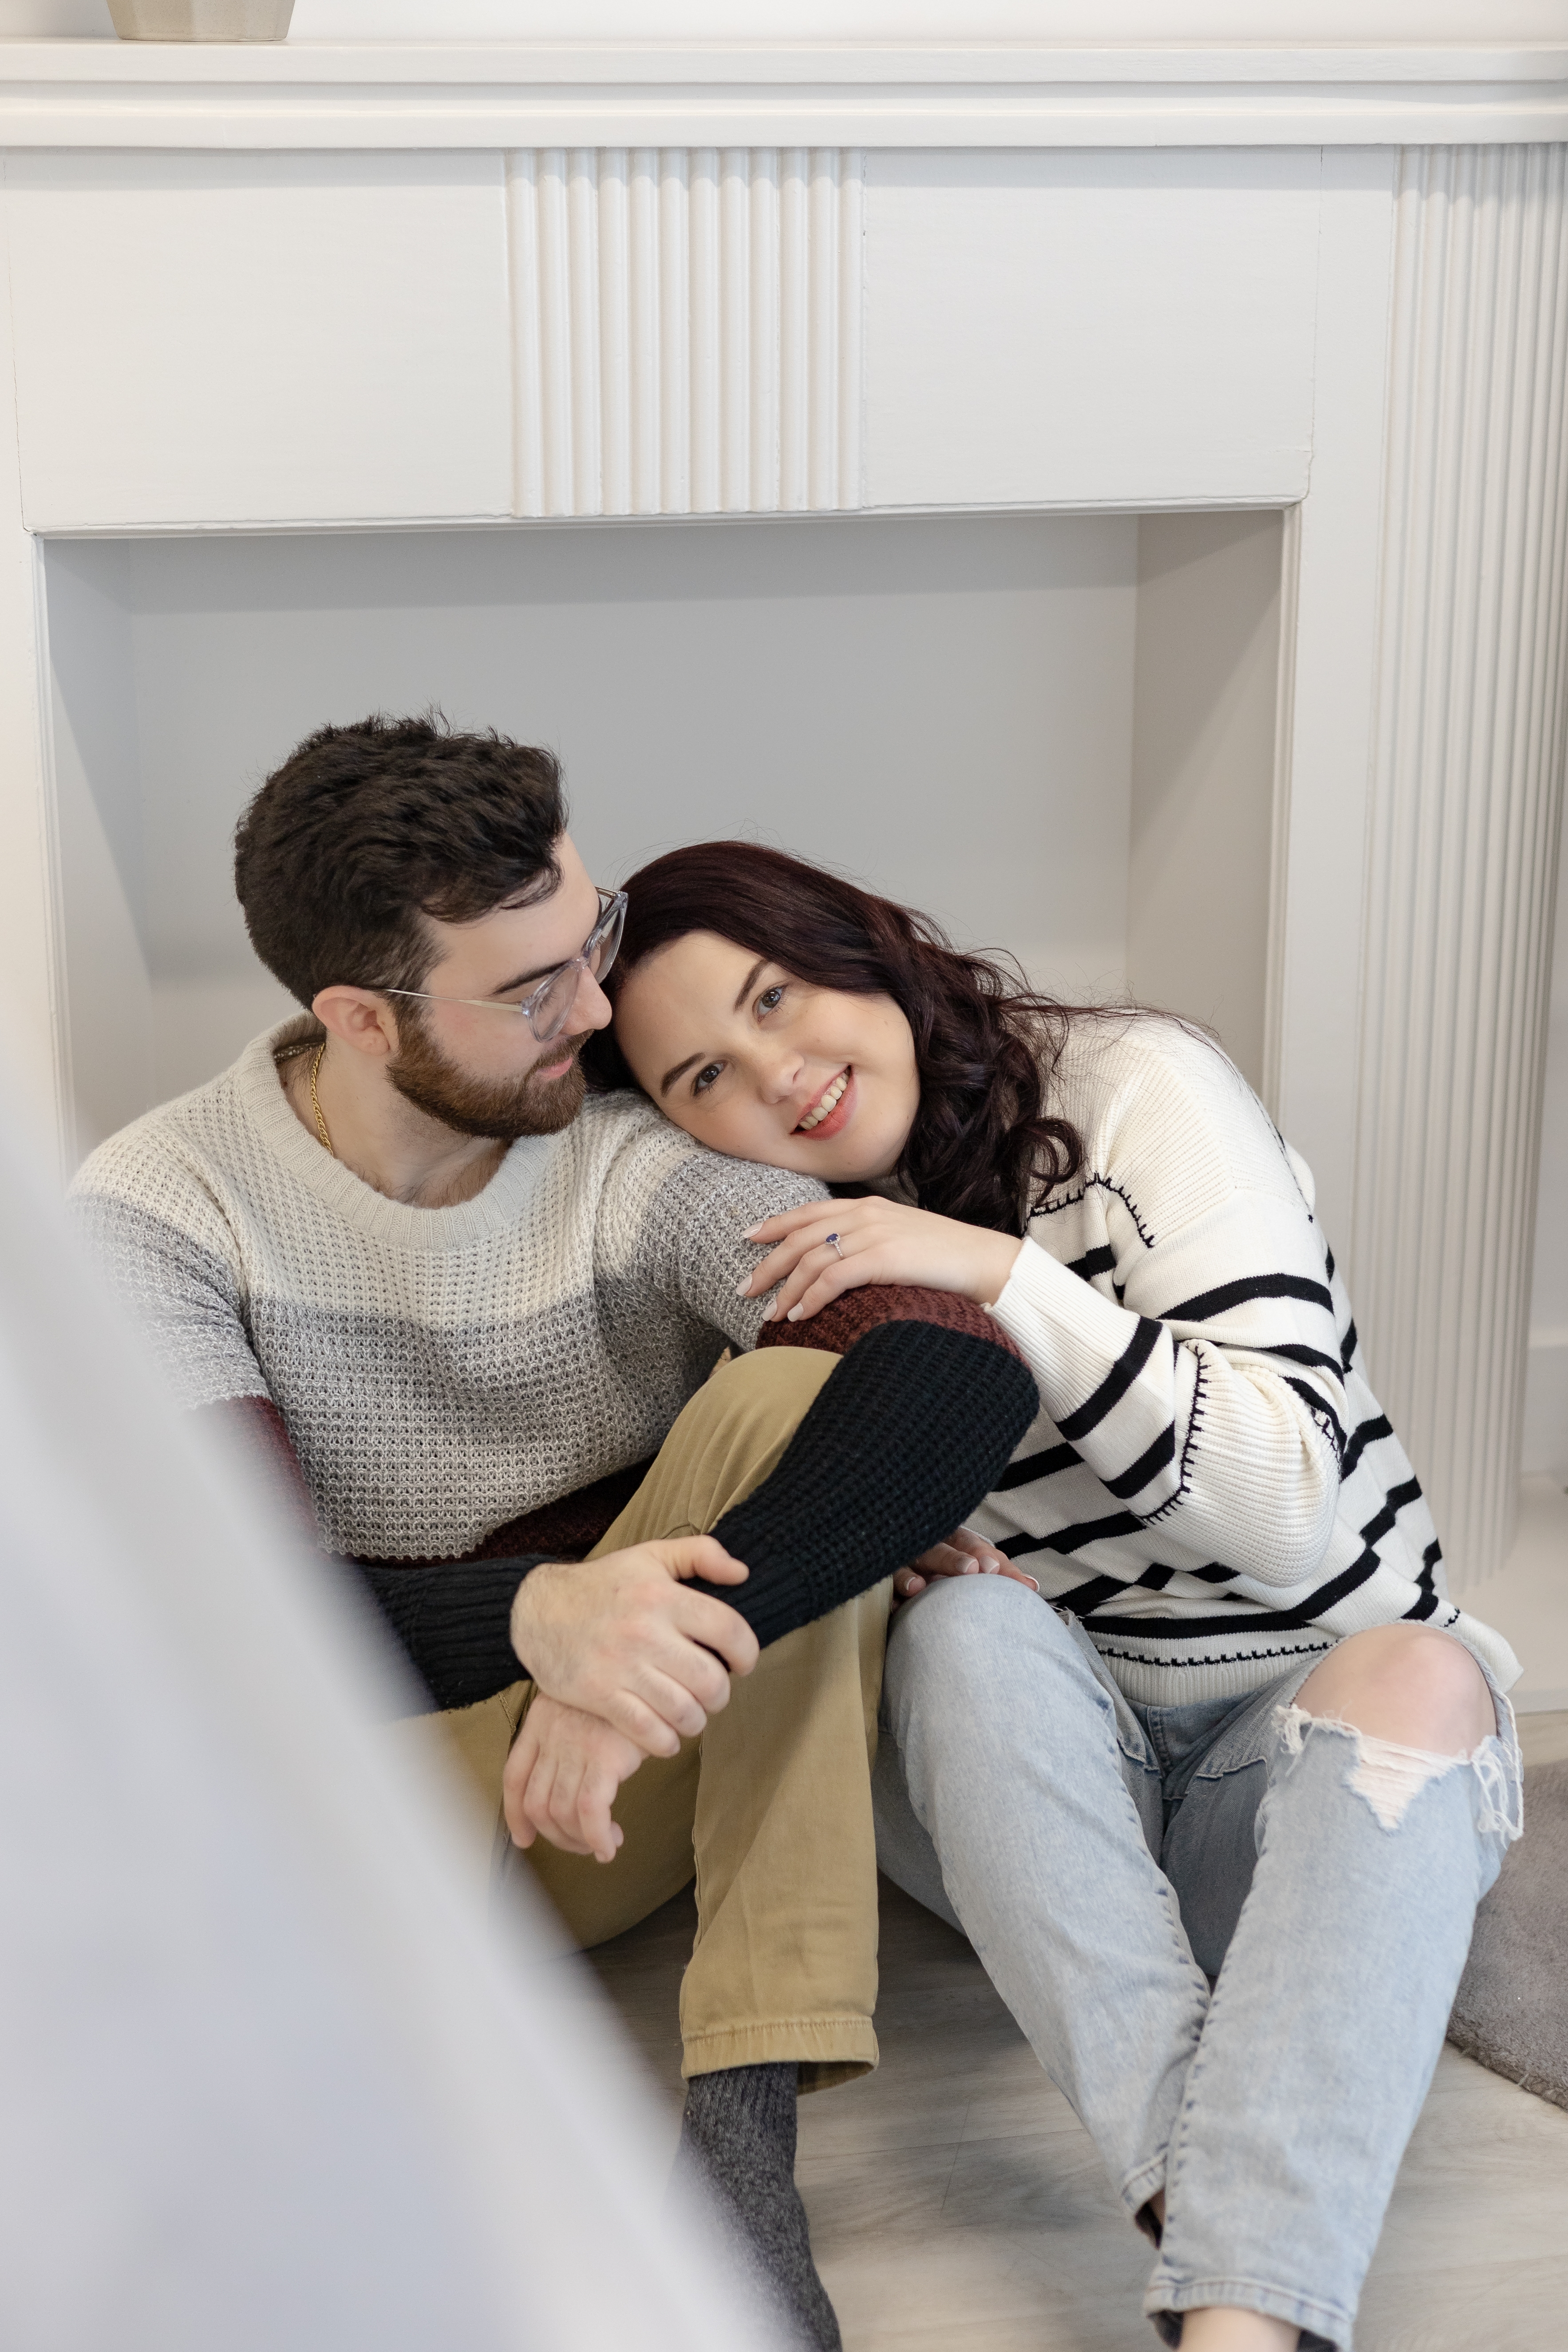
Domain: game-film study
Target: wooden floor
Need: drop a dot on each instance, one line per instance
(956, 2201)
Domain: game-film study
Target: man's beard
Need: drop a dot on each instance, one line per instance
(500, 1110)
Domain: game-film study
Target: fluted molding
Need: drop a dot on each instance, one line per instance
(686, 330)
(1466, 807)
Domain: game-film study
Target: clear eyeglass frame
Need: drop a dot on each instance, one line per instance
(547, 1005)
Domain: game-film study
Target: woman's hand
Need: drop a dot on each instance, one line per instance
(878, 1241)
(963, 1554)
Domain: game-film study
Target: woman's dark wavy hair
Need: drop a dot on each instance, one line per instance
(984, 1147)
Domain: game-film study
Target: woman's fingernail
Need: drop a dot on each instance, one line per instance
(743, 1286)
(750, 1234)
(1034, 1581)
(988, 1568)
(796, 1313)
(770, 1311)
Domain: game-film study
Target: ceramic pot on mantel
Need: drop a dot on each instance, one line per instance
(201, 20)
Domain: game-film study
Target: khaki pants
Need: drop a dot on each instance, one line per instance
(771, 1807)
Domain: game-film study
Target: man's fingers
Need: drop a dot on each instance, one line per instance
(536, 1796)
(715, 1625)
(676, 1705)
(600, 1834)
(703, 1556)
(561, 1806)
(646, 1726)
(541, 1807)
(515, 1779)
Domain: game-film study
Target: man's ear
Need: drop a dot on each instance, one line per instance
(358, 1017)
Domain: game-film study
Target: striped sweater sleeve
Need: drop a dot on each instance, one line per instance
(1192, 1362)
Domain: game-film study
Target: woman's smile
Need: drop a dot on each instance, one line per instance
(830, 1113)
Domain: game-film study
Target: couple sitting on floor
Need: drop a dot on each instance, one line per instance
(1206, 1767)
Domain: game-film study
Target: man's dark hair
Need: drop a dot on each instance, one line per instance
(364, 830)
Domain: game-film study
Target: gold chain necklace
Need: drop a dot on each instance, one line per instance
(316, 1101)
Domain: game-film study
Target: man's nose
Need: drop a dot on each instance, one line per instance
(590, 1008)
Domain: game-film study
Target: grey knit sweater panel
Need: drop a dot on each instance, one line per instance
(439, 1370)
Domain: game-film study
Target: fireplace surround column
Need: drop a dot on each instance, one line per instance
(1465, 808)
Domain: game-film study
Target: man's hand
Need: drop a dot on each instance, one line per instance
(562, 1779)
(622, 1638)
(963, 1554)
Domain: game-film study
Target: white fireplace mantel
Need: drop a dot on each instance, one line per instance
(960, 90)
(977, 270)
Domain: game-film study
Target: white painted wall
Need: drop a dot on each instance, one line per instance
(102, 848)
(941, 707)
(1204, 706)
(1546, 1384)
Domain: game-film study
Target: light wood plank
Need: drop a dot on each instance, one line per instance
(955, 2200)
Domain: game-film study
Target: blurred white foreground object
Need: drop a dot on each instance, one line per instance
(269, 2079)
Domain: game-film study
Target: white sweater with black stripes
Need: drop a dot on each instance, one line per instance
(1212, 1486)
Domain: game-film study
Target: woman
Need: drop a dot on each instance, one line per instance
(1250, 1729)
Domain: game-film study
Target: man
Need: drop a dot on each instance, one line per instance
(397, 1243)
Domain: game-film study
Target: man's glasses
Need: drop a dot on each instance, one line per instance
(546, 1007)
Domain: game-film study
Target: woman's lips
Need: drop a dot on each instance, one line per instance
(838, 1117)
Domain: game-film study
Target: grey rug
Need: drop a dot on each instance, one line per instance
(1511, 2010)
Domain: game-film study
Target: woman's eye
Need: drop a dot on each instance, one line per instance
(704, 1079)
(771, 998)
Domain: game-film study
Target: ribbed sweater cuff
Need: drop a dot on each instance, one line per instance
(911, 1431)
(1070, 1335)
(453, 1621)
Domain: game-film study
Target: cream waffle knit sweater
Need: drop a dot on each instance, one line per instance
(439, 1370)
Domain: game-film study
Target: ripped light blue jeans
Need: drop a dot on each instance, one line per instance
(1107, 1860)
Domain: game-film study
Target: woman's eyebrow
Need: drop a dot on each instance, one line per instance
(749, 982)
(669, 1077)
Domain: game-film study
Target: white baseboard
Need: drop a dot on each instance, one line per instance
(1546, 1408)
(1527, 1600)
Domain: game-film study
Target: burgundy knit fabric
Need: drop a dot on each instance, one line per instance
(837, 1327)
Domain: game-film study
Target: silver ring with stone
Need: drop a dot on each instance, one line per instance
(834, 1240)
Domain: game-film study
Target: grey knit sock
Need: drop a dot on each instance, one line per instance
(737, 2138)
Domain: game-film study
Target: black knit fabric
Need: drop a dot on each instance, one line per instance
(910, 1432)
(914, 1428)
(453, 1621)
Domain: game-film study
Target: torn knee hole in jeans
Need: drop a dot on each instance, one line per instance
(1389, 1776)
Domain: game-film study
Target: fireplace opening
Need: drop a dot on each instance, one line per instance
(1055, 732)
